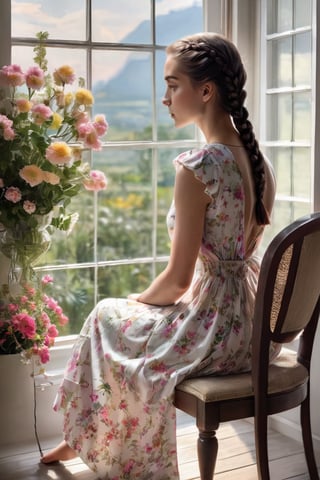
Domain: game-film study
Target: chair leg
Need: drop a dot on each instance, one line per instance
(261, 441)
(207, 454)
(307, 438)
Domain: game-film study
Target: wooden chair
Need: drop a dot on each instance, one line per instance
(287, 304)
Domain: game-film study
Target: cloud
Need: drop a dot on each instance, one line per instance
(165, 6)
(30, 18)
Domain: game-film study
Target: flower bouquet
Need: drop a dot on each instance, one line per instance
(28, 322)
(45, 127)
(44, 130)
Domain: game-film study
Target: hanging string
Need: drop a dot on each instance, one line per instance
(35, 411)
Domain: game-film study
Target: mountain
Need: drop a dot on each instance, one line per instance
(169, 27)
(133, 83)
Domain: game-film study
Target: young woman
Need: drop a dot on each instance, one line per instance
(196, 316)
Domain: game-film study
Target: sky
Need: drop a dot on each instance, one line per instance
(65, 19)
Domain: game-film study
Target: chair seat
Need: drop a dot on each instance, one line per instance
(285, 374)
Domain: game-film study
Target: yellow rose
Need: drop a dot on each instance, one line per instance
(50, 177)
(68, 98)
(23, 105)
(64, 74)
(84, 97)
(56, 121)
(31, 174)
(59, 153)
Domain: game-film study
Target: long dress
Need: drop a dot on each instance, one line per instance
(118, 388)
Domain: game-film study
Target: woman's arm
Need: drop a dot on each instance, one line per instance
(190, 203)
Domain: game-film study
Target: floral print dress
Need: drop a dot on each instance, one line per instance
(119, 382)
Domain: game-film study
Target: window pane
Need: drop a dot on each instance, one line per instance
(279, 114)
(125, 208)
(76, 247)
(63, 19)
(280, 63)
(302, 13)
(286, 212)
(291, 116)
(302, 116)
(123, 21)
(177, 19)
(73, 289)
(122, 87)
(121, 280)
(56, 57)
(292, 170)
(302, 59)
(280, 15)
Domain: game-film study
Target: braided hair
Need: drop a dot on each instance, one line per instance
(211, 57)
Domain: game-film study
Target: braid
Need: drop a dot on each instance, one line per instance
(235, 97)
(247, 136)
(218, 60)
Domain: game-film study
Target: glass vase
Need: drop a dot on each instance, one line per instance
(24, 247)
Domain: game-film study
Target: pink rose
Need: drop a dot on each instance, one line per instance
(53, 331)
(12, 307)
(89, 135)
(29, 207)
(63, 320)
(58, 310)
(100, 124)
(25, 324)
(11, 76)
(96, 182)
(6, 126)
(81, 117)
(51, 303)
(13, 194)
(45, 319)
(41, 113)
(47, 279)
(34, 78)
(44, 354)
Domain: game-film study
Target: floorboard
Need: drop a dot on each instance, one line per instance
(236, 457)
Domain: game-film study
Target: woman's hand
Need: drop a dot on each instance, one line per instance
(134, 296)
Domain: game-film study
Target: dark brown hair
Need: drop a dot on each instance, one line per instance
(211, 57)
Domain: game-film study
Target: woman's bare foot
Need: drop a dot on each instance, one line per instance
(60, 452)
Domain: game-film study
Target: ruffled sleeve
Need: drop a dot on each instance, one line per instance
(206, 166)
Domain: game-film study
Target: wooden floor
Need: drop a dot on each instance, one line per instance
(236, 458)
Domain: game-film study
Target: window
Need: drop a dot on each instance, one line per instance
(286, 112)
(120, 241)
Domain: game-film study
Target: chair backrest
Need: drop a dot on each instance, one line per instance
(288, 294)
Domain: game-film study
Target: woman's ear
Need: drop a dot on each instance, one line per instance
(208, 91)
